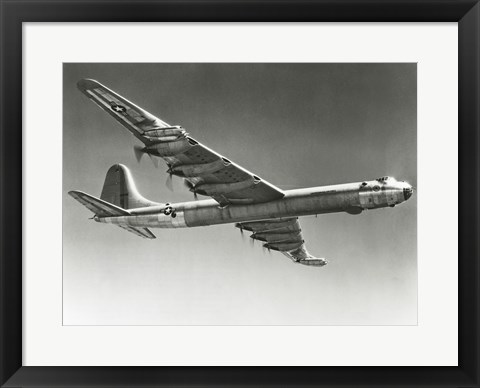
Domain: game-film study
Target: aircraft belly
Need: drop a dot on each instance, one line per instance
(179, 220)
(208, 212)
(286, 207)
(366, 200)
(301, 202)
(158, 220)
(373, 200)
(391, 197)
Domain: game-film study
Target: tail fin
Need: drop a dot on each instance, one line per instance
(119, 194)
(120, 190)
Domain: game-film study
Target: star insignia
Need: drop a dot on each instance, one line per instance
(119, 108)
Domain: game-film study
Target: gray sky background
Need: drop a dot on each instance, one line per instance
(295, 125)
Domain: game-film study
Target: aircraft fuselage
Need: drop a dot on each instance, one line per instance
(352, 198)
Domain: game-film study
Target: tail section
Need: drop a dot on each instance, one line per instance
(119, 189)
(119, 194)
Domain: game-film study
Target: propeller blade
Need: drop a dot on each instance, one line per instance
(191, 187)
(169, 182)
(138, 150)
(242, 234)
(154, 160)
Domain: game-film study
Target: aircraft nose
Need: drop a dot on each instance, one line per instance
(407, 191)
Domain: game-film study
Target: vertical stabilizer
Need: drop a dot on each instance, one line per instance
(120, 190)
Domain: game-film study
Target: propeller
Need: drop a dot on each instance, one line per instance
(241, 233)
(169, 181)
(265, 247)
(154, 160)
(140, 151)
(191, 187)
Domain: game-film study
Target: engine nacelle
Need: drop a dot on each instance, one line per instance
(280, 226)
(212, 189)
(194, 170)
(169, 148)
(285, 246)
(272, 236)
(165, 134)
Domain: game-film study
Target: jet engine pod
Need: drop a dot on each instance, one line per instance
(315, 262)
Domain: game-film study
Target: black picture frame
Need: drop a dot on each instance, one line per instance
(15, 12)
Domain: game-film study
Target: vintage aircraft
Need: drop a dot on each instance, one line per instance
(239, 196)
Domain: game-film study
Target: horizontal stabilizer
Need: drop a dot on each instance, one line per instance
(142, 232)
(102, 208)
(98, 206)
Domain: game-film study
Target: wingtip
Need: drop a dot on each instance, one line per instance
(86, 83)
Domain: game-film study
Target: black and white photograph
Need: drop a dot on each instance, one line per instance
(240, 194)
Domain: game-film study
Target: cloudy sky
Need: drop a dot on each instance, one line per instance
(295, 125)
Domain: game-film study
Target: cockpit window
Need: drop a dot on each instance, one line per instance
(384, 178)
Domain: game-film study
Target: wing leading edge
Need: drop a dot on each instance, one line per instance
(207, 172)
(283, 235)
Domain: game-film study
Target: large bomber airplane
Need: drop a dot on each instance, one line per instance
(238, 196)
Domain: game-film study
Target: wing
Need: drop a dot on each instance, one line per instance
(283, 235)
(132, 117)
(206, 172)
(102, 208)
